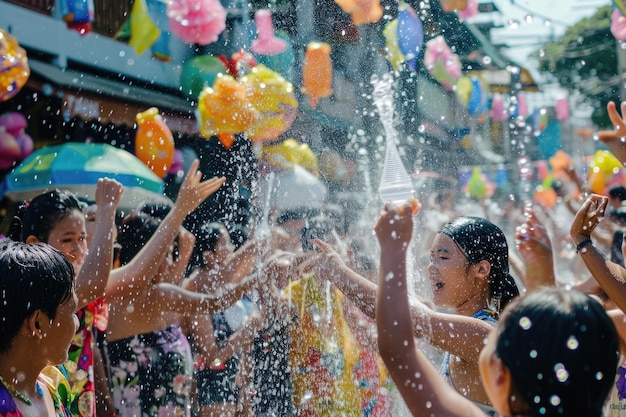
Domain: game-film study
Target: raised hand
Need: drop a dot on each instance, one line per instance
(108, 193)
(395, 225)
(533, 242)
(588, 217)
(193, 191)
(614, 139)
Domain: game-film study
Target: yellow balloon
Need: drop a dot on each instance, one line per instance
(606, 162)
(290, 152)
(274, 99)
(394, 55)
(463, 89)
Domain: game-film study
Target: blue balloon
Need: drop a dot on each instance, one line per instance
(410, 33)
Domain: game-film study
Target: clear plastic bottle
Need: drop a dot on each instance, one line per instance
(395, 183)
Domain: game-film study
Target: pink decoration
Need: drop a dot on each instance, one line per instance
(442, 64)
(197, 21)
(497, 108)
(16, 145)
(522, 106)
(618, 25)
(562, 109)
(267, 43)
(177, 163)
(470, 10)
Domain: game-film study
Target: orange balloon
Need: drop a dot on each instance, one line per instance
(545, 196)
(597, 182)
(317, 72)
(154, 143)
(14, 69)
(362, 11)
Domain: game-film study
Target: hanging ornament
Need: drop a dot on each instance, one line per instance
(200, 72)
(442, 64)
(362, 11)
(317, 72)
(154, 143)
(498, 113)
(143, 32)
(266, 43)
(470, 10)
(410, 34)
(393, 53)
(14, 69)
(197, 21)
(452, 5)
(77, 14)
(562, 109)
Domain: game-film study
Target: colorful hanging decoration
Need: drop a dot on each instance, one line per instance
(239, 64)
(392, 50)
(498, 112)
(197, 21)
(274, 99)
(442, 64)
(289, 152)
(317, 72)
(452, 5)
(14, 69)
(478, 186)
(225, 109)
(562, 109)
(154, 143)
(160, 49)
(362, 11)
(200, 72)
(618, 20)
(15, 144)
(522, 105)
(266, 43)
(410, 34)
(545, 194)
(470, 10)
(472, 94)
(143, 32)
(77, 14)
(282, 63)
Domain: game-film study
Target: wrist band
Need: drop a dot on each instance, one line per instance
(582, 244)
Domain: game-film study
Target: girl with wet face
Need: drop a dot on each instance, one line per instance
(37, 323)
(554, 352)
(469, 276)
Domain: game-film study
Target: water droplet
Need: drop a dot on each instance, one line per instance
(572, 343)
(525, 323)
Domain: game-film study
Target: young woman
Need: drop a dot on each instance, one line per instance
(37, 323)
(553, 353)
(469, 276)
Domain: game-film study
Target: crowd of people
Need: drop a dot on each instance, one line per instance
(141, 317)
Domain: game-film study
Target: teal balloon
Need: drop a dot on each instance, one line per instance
(200, 72)
(281, 63)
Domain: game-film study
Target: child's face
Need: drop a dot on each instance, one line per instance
(70, 237)
(61, 330)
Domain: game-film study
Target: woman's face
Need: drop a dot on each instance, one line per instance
(448, 273)
(69, 236)
(61, 330)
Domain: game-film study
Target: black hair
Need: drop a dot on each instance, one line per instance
(136, 230)
(42, 214)
(479, 239)
(33, 276)
(619, 191)
(562, 351)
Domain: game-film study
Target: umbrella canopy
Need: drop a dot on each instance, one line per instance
(293, 188)
(77, 167)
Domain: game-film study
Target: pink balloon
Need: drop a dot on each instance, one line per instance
(267, 43)
(10, 151)
(562, 109)
(442, 64)
(497, 108)
(13, 122)
(197, 21)
(177, 164)
(618, 25)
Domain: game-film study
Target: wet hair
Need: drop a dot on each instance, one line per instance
(562, 351)
(209, 236)
(135, 231)
(42, 214)
(33, 276)
(618, 191)
(479, 240)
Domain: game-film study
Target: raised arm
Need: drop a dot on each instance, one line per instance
(613, 138)
(423, 390)
(610, 276)
(534, 245)
(92, 278)
(142, 268)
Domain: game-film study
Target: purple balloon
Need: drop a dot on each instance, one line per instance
(410, 33)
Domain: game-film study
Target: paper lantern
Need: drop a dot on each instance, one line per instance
(197, 21)
(154, 143)
(562, 109)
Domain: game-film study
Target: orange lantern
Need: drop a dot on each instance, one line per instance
(317, 72)
(154, 143)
